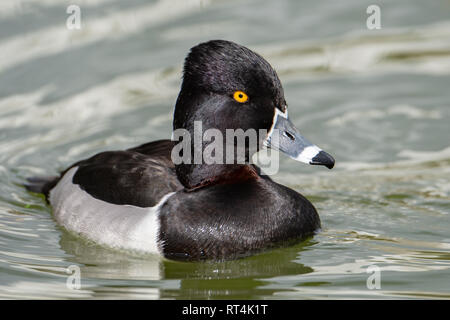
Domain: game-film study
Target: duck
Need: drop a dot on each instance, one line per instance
(142, 200)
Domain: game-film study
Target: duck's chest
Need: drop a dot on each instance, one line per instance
(233, 220)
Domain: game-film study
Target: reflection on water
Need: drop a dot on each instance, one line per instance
(245, 278)
(377, 100)
(240, 279)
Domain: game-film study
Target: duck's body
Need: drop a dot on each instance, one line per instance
(139, 199)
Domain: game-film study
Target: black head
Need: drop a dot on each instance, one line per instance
(227, 86)
(213, 72)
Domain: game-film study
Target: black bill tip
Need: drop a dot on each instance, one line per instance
(323, 159)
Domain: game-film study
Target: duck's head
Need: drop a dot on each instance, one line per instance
(227, 86)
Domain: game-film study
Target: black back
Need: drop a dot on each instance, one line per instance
(140, 176)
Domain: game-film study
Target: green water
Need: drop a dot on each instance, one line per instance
(379, 101)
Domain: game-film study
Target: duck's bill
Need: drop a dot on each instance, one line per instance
(285, 137)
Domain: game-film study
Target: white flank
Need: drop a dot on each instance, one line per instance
(117, 226)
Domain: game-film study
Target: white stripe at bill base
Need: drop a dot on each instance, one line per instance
(123, 227)
(274, 121)
(308, 154)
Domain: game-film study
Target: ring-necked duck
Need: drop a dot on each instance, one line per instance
(138, 199)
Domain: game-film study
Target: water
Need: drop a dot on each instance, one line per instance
(377, 100)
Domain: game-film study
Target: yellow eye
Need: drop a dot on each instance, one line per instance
(240, 96)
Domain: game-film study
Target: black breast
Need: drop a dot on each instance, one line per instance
(228, 221)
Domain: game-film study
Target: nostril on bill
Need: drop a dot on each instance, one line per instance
(289, 135)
